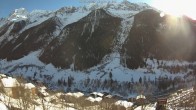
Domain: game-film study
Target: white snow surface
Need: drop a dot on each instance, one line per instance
(18, 14)
(9, 82)
(29, 86)
(97, 99)
(124, 103)
(68, 18)
(3, 106)
(145, 108)
(77, 94)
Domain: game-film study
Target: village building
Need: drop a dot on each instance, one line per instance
(31, 89)
(96, 94)
(10, 86)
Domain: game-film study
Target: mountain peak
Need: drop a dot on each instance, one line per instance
(70, 9)
(124, 5)
(18, 14)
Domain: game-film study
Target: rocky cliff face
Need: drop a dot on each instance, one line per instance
(15, 45)
(83, 43)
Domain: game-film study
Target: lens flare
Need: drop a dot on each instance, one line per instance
(176, 8)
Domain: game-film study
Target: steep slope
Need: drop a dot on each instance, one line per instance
(83, 43)
(10, 30)
(30, 40)
(163, 38)
(2, 21)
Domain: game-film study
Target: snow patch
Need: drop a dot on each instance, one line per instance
(97, 99)
(3, 106)
(77, 94)
(124, 103)
(18, 15)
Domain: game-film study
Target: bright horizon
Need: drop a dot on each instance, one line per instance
(176, 8)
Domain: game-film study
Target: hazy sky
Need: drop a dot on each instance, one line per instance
(7, 6)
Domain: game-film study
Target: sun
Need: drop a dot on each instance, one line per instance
(176, 8)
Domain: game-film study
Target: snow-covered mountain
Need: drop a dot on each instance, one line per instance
(118, 41)
(21, 24)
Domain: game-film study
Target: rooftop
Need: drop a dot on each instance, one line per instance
(9, 82)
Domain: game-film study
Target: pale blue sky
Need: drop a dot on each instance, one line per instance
(7, 6)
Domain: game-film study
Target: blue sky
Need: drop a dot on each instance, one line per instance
(7, 6)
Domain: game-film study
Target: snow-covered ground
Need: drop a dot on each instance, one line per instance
(30, 64)
(3, 106)
(124, 103)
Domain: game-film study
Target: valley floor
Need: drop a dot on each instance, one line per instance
(56, 100)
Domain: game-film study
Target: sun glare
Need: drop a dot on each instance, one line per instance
(176, 7)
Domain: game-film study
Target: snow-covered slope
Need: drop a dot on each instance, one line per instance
(99, 77)
(31, 67)
(18, 14)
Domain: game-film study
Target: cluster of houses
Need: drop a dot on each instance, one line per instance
(15, 89)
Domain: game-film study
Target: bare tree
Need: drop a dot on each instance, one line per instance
(45, 104)
(25, 99)
(108, 103)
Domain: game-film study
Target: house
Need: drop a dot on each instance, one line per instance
(30, 88)
(140, 97)
(96, 94)
(10, 86)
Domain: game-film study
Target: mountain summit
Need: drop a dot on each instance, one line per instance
(18, 14)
